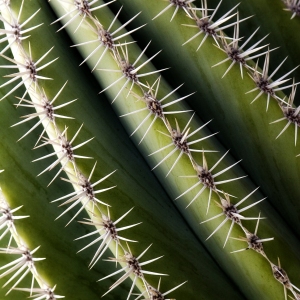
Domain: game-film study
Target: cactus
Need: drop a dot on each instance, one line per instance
(193, 180)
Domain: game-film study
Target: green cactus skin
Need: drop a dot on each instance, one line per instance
(124, 198)
(237, 116)
(211, 286)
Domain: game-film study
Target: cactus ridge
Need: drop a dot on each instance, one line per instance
(26, 262)
(179, 138)
(263, 84)
(64, 150)
(242, 62)
(83, 187)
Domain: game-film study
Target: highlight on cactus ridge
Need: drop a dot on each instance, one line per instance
(217, 99)
(84, 192)
(80, 8)
(16, 30)
(81, 15)
(64, 147)
(28, 71)
(47, 111)
(179, 140)
(177, 124)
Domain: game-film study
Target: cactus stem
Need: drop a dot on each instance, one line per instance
(63, 147)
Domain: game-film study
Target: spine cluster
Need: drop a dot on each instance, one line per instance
(25, 263)
(85, 194)
(238, 55)
(265, 84)
(180, 139)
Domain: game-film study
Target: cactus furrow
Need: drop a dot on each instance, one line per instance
(194, 180)
(176, 161)
(72, 178)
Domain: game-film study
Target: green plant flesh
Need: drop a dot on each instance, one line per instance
(117, 180)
